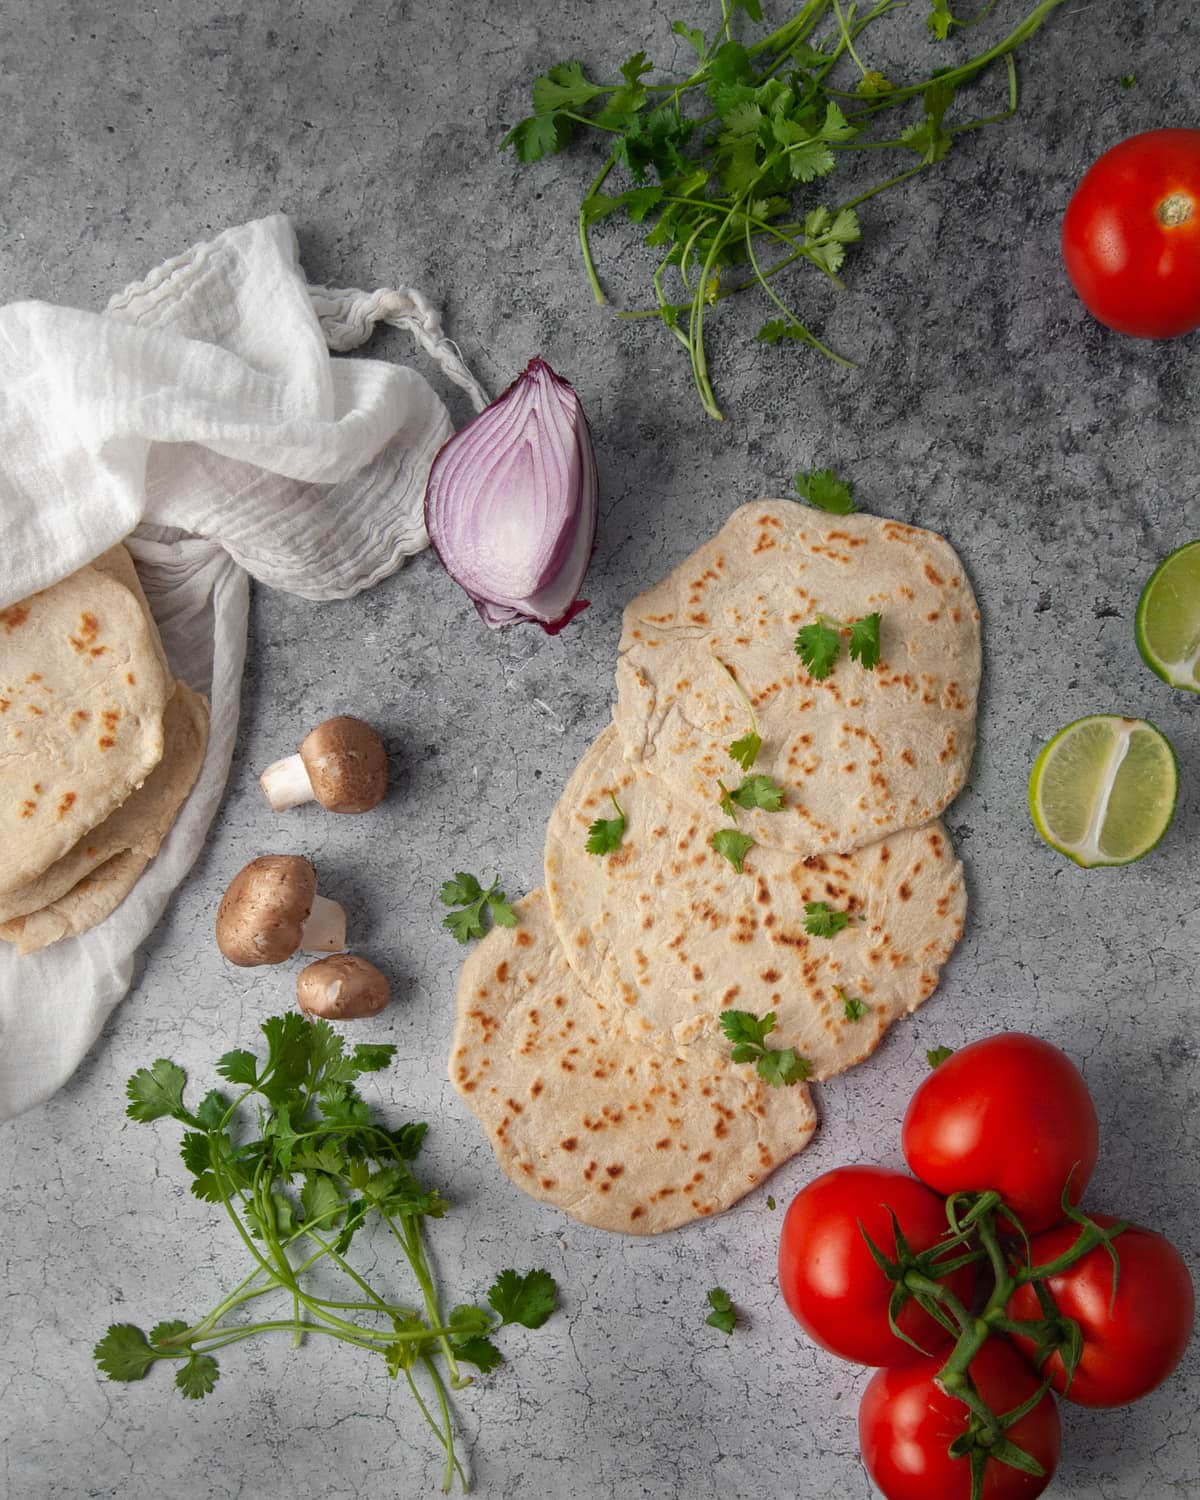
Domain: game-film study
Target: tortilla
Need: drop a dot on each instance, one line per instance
(83, 687)
(141, 822)
(619, 1124)
(665, 928)
(861, 753)
(78, 891)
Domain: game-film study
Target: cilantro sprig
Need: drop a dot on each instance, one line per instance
(820, 644)
(717, 167)
(745, 749)
(778, 1066)
(754, 791)
(465, 892)
(733, 845)
(723, 1314)
(605, 834)
(823, 489)
(301, 1166)
(853, 1008)
(823, 920)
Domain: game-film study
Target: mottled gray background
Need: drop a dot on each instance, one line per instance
(1058, 458)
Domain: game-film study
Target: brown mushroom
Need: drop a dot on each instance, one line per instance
(341, 764)
(272, 908)
(342, 988)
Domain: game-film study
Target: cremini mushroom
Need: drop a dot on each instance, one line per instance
(341, 764)
(342, 988)
(272, 908)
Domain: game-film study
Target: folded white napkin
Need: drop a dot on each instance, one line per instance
(202, 414)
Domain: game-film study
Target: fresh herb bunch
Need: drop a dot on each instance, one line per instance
(319, 1171)
(717, 160)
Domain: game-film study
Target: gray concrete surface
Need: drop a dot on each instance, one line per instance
(1058, 458)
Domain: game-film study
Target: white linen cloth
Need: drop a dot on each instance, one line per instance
(200, 419)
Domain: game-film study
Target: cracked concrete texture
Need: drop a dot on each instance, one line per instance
(1056, 457)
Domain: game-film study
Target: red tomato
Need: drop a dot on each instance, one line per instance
(906, 1424)
(836, 1292)
(1131, 235)
(1132, 1349)
(1011, 1113)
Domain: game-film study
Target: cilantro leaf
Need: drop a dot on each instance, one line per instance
(467, 1320)
(778, 1067)
(939, 20)
(161, 1332)
(465, 924)
(818, 647)
(123, 1353)
(820, 919)
(321, 1199)
(770, 1200)
(211, 1110)
(156, 1091)
(758, 791)
(743, 1027)
(853, 1008)
(238, 1067)
(197, 1378)
(502, 912)
(564, 86)
(781, 1067)
(478, 1351)
(732, 845)
(864, 641)
(605, 834)
(723, 1314)
(537, 136)
(753, 8)
(936, 1056)
(460, 891)
(691, 34)
(371, 1057)
(822, 488)
(745, 750)
(528, 1300)
(809, 159)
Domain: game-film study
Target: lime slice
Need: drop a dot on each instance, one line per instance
(1103, 790)
(1168, 619)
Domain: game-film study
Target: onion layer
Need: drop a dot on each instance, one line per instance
(511, 503)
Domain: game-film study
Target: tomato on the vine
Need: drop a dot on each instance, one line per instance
(1131, 235)
(906, 1424)
(1010, 1114)
(1131, 1340)
(830, 1280)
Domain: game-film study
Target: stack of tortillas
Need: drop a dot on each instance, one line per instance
(588, 1039)
(99, 747)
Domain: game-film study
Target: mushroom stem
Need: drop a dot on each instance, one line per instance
(286, 783)
(324, 929)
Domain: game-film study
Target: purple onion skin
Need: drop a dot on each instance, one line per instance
(573, 549)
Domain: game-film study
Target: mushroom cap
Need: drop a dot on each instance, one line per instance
(262, 914)
(346, 763)
(342, 988)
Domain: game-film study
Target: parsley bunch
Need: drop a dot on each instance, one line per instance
(718, 165)
(318, 1172)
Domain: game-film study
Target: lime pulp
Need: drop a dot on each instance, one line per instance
(1168, 619)
(1103, 791)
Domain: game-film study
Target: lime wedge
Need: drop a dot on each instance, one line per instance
(1103, 790)
(1168, 619)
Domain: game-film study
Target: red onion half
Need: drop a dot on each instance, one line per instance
(511, 503)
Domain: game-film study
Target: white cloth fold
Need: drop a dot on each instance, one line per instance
(202, 414)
